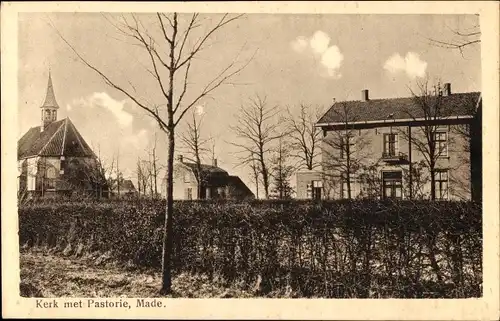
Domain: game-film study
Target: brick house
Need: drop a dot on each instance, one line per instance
(388, 144)
(216, 183)
(54, 159)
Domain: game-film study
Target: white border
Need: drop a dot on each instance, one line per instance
(485, 308)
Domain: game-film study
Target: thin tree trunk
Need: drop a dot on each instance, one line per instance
(155, 172)
(433, 182)
(168, 238)
(168, 235)
(348, 162)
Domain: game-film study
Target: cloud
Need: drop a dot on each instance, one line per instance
(299, 44)
(137, 140)
(199, 110)
(109, 128)
(332, 59)
(104, 101)
(411, 64)
(319, 42)
(319, 45)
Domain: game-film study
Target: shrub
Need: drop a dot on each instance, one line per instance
(323, 249)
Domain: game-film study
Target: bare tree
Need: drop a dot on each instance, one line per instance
(469, 155)
(118, 175)
(139, 176)
(344, 151)
(93, 172)
(143, 175)
(282, 170)
(460, 38)
(196, 146)
(256, 127)
(153, 168)
(429, 110)
(171, 56)
(304, 135)
(255, 175)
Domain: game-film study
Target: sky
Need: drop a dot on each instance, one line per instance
(292, 59)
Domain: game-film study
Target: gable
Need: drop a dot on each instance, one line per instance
(74, 144)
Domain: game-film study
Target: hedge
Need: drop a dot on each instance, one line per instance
(314, 249)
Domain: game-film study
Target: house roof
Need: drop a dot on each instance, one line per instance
(459, 104)
(206, 169)
(217, 177)
(126, 185)
(229, 180)
(237, 183)
(59, 138)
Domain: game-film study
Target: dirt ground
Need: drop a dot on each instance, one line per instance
(49, 275)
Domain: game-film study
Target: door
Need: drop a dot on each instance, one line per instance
(392, 185)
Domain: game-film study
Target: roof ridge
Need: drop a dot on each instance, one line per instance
(394, 98)
(65, 132)
(50, 139)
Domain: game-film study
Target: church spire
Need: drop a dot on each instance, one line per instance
(50, 106)
(50, 97)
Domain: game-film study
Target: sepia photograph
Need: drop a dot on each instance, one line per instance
(244, 155)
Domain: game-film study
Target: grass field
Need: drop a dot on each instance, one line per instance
(48, 275)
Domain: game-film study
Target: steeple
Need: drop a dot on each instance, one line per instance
(50, 106)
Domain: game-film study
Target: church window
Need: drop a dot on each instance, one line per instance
(51, 178)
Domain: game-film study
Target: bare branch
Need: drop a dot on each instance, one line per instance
(212, 85)
(200, 44)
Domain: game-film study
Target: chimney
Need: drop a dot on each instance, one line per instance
(180, 158)
(447, 89)
(364, 95)
(214, 162)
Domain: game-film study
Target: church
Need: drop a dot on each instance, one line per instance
(54, 159)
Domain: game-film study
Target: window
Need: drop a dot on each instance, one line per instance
(345, 146)
(189, 192)
(441, 145)
(316, 190)
(187, 177)
(390, 144)
(62, 165)
(309, 191)
(345, 186)
(392, 185)
(441, 184)
(50, 179)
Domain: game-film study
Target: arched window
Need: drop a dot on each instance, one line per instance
(51, 177)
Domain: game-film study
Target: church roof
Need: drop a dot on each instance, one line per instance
(59, 138)
(50, 97)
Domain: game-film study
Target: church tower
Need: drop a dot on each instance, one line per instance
(50, 106)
